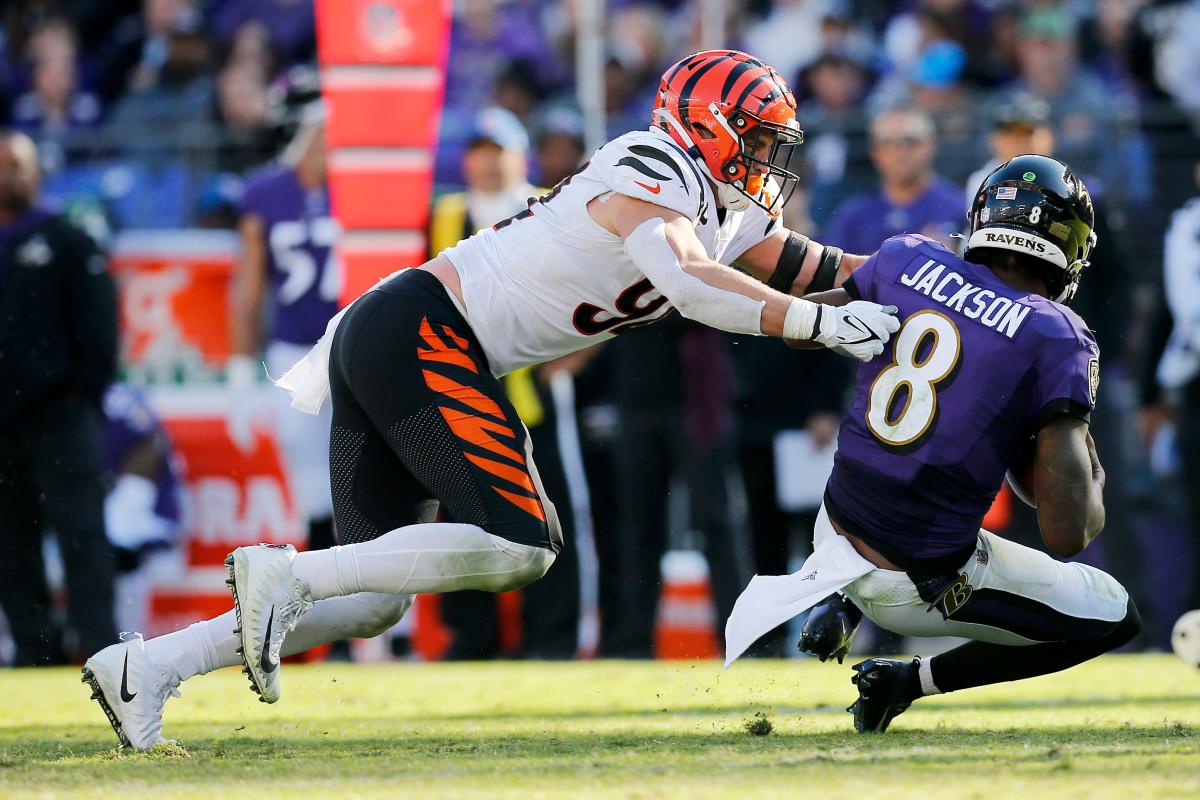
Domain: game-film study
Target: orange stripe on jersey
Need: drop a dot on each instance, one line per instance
(510, 474)
(459, 342)
(448, 356)
(477, 431)
(529, 504)
(464, 394)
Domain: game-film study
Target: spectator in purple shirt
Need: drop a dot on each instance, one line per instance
(56, 104)
(290, 24)
(911, 197)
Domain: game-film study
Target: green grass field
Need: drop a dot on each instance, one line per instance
(1121, 727)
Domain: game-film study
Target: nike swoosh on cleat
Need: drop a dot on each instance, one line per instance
(126, 697)
(655, 189)
(264, 660)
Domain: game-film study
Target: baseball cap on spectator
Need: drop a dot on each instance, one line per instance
(939, 65)
(561, 121)
(838, 10)
(1048, 22)
(837, 58)
(499, 127)
(1021, 110)
(187, 22)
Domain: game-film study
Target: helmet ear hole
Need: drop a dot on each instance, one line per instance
(703, 132)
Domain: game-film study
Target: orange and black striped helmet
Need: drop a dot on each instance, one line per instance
(737, 117)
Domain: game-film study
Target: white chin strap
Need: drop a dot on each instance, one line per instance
(731, 198)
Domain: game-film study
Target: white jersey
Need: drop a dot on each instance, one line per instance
(551, 280)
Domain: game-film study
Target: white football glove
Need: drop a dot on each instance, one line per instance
(129, 517)
(859, 329)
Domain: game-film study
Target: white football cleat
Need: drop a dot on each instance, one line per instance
(268, 600)
(132, 690)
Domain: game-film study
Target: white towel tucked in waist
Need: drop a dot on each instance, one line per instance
(771, 600)
(308, 379)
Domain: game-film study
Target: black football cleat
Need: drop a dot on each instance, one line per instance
(885, 691)
(829, 629)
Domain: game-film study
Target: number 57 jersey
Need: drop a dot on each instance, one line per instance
(976, 368)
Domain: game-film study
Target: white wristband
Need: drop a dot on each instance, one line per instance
(801, 319)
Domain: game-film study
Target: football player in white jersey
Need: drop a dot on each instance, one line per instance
(648, 225)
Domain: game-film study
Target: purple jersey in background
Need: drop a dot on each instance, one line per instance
(975, 370)
(865, 222)
(300, 234)
(130, 422)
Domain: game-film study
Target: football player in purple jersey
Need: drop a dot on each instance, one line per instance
(286, 289)
(143, 510)
(988, 364)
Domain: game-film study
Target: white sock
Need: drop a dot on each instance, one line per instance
(205, 646)
(419, 559)
(925, 672)
(197, 649)
(363, 615)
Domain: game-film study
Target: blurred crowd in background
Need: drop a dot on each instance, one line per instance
(151, 114)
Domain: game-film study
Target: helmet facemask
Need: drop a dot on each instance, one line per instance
(1074, 270)
(759, 171)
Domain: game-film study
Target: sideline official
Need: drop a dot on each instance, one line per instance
(58, 351)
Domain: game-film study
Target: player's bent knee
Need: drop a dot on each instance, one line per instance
(533, 564)
(1124, 631)
(380, 612)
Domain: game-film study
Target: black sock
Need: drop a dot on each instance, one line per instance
(981, 664)
(320, 534)
(912, 690)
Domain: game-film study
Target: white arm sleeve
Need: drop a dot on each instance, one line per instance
(691, 297)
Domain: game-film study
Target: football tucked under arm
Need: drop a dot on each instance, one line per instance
(1020, 477)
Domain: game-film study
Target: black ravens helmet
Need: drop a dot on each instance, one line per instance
(1036, 206)
(293, 100)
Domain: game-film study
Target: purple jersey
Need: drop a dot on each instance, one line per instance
(130, 422)
(300, 234)
(976, 369)
(866, 221)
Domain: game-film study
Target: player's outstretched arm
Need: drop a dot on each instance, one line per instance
(794, 264)
(663, 245)
(1070, 486)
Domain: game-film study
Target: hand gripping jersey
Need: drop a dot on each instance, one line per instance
(300, 233)
(975, 370)
(550, 280)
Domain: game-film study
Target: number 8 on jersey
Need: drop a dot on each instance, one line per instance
(902, 406)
